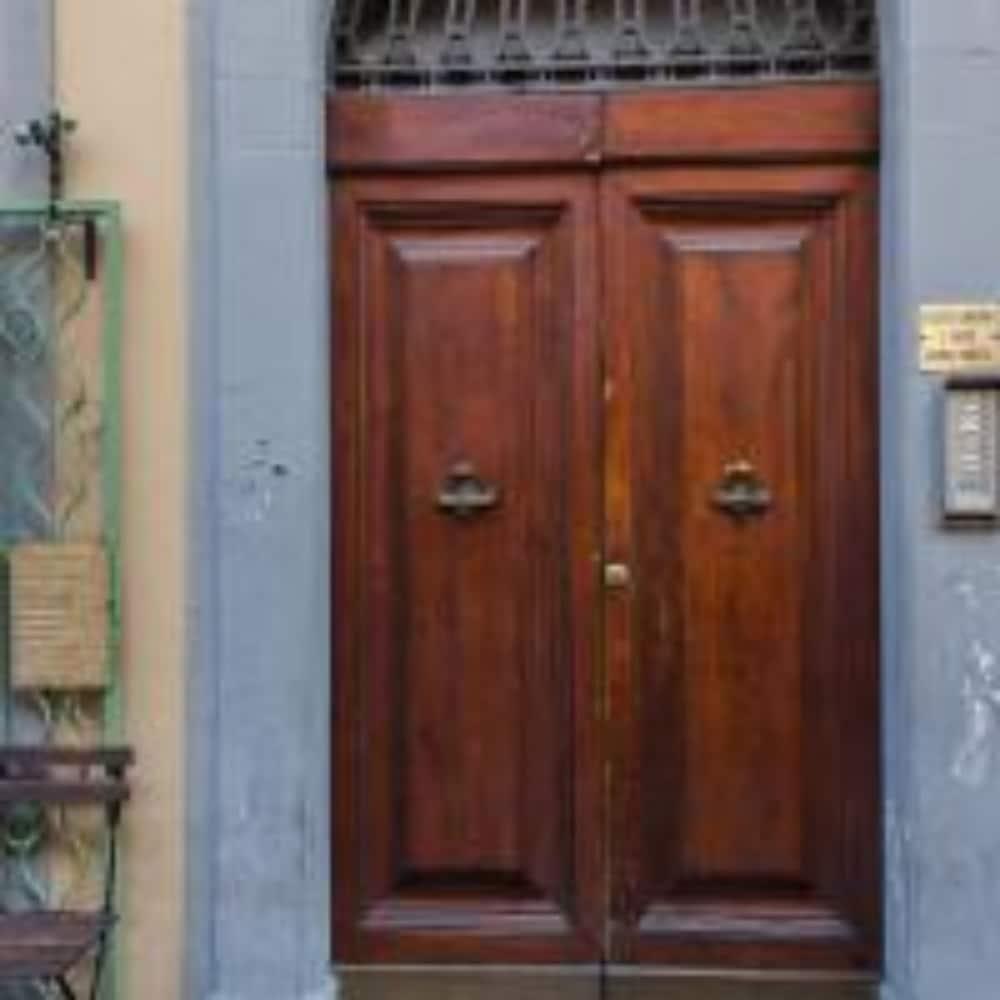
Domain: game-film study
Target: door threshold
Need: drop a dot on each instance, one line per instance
(469, 982)
(595, 982)
(659, 983)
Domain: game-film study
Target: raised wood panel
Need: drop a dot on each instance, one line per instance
(744, 660)
(774, 124)
(467, 772)
(490, 132)
(484, 131)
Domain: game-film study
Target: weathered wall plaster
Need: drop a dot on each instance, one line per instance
(259, 877)
(120, 69)
(943, 244)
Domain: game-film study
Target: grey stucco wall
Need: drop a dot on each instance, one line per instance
(25, 91)
(943, 244)
(258, 706)
(258, 886)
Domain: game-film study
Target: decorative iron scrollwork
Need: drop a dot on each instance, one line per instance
(414, 45)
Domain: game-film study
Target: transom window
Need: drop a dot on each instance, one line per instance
(597, 44)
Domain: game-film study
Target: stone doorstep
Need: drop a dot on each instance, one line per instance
(584, 983)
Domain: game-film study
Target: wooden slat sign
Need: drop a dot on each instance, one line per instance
(960, 338)
(59, 616)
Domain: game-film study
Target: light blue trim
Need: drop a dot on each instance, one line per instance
(943, 598)
(202, 699)
(26, 86)
(258, 680)
(893, 343)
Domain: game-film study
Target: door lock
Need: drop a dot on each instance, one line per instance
(617, 576)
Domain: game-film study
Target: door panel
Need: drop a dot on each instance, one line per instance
(472, 132)
(787, 124)
(744, 658)
(468, 767)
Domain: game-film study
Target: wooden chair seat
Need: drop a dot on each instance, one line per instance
(44, 944)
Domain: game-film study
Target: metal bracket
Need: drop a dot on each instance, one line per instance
(49, 134)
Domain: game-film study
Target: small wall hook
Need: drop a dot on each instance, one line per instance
(48, 134)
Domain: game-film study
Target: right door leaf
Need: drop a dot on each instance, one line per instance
(742, 441)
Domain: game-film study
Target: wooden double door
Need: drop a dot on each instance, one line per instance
(605, 546)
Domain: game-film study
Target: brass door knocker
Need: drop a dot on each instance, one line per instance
(465, 494)
(741, 493)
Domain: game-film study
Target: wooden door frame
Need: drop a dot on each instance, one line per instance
(802, 124)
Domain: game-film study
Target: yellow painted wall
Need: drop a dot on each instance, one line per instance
(120, 70)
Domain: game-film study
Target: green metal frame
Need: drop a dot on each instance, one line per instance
(107, 216)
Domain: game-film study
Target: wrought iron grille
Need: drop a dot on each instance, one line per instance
(60, 322)
(598, 44)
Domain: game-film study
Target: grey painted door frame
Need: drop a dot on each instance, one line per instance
(258, 754)
(25, 92)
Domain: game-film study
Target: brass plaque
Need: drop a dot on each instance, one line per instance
(59, 596)
(960, 338)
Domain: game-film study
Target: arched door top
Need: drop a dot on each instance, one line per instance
(431, 45)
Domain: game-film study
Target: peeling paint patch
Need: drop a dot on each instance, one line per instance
(979, 599)
(981, 698)
(250, 493)
(899, 842)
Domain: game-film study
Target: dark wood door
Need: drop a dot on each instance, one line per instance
(743, 657)
(637, 330)
(468, 525)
